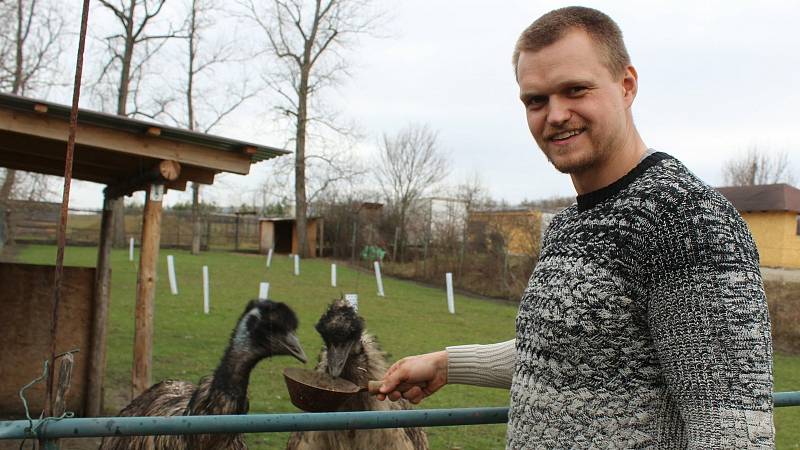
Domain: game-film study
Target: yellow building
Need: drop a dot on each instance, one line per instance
(519, 229)
(771, 212)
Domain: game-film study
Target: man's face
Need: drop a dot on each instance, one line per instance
(576, 109)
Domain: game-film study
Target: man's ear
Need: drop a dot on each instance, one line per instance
(630, 85)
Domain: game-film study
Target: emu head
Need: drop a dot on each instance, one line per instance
(267, 328)
(340, 328)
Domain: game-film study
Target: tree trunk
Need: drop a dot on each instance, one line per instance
(122, 110)
(16, 88)
(119, 223)
(300, 168)
(5, 210)
(20, 46)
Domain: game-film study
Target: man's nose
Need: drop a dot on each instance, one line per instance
(558, 112)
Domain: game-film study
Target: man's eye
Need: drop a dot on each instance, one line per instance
(536, 101)
(577, 90)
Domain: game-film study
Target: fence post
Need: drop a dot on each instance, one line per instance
(355, 230)
(394, 249)
(236, 232)
(177, 228)
(336, 253)
(505, 268)
(208, 233)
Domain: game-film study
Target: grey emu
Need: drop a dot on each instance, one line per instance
(355, 355)
(265, 328)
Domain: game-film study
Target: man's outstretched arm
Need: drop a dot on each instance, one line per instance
(417, 377)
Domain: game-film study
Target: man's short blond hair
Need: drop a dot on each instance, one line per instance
(554, 25)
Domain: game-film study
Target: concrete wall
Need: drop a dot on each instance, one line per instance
(775, 233)
(26, 300)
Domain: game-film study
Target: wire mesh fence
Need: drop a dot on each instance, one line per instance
(36, 222)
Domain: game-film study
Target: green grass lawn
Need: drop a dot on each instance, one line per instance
(411, 319)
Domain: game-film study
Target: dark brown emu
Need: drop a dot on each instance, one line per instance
(355, 355)
(265, 328)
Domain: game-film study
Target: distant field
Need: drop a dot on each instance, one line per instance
(411, 319)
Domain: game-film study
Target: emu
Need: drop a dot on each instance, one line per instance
(355, 355)
(265, 328)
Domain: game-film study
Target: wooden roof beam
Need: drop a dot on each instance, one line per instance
(155, 147)
(161, 173)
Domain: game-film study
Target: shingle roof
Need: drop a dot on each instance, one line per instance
(767, 197)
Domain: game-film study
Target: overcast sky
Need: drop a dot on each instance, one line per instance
(715, 77)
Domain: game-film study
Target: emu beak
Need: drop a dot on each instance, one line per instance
(337, 357)
(293, 348)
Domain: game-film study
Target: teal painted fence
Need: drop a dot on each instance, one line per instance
(261, 423)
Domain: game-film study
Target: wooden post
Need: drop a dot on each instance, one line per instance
(236, 239)
(146, 290)
(321, 235)
(102, 290)
(355, 230)
(394, 248)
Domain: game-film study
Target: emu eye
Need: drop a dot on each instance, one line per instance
(252, 321)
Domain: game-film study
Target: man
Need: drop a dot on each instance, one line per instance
(644, 324)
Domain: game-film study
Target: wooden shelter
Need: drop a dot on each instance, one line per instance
(126, 155)
(280, 234)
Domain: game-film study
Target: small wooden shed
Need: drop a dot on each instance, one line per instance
(772, 212)
(280, 234)
(126, 155)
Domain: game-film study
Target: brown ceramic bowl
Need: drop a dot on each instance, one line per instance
(314, 391)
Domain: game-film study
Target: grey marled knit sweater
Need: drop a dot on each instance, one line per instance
(644, 324)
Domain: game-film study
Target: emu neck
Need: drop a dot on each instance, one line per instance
(225, 392)
(233, 372)
(367, 365)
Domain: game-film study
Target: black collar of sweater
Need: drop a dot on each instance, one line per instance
(591, 199)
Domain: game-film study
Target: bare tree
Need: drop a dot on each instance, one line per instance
(472, 191)
(30, 45)
(308, 38)
(129, 48)
(207, 111)
(409, 165)
(756, 167)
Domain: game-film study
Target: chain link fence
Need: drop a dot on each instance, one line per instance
(489, 252)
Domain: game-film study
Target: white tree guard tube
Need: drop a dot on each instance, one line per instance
(173, 282)
(451, 303)
(205, 290)
(378, 279)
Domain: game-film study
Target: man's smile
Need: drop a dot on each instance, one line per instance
(562, 136)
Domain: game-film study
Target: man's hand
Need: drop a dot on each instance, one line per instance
(415, 377)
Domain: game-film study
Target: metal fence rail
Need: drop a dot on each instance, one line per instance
(260, 423)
